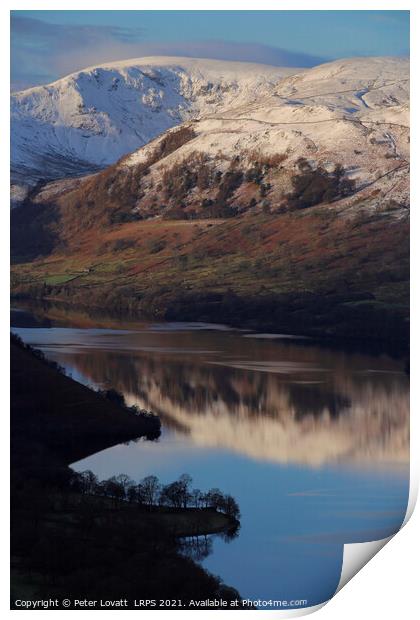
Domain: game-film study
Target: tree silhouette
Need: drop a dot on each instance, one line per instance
(126, 482)
(185, 482)
(151, 489)
(88, 482)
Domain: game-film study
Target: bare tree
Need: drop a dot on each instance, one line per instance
(196, 498)
(151, 489)
(184, 484)
(88, 482)
(214, 498)
(125, 481)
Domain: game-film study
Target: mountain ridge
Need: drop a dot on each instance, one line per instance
(90, 118)
(287, 211)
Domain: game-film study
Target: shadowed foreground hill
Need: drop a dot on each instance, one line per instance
(61, 419)
(70, 544)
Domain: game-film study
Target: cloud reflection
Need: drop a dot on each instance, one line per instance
(284, 414)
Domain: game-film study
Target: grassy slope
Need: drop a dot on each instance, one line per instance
(355, 265)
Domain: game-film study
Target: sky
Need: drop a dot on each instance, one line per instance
(46, 45)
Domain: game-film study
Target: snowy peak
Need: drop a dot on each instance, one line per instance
(351, 112)
(197, 67)
(91, 118)
(351, 84)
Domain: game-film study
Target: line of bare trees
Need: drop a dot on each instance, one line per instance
(150, 493)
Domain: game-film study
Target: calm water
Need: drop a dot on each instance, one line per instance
(313, 443)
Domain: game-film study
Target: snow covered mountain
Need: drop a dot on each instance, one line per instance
(238, 150)
(352, 113)
(256, 192)
(91, 118)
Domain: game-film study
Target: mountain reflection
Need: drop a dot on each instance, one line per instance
(301, 404)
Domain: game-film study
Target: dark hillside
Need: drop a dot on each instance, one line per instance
(67, 543)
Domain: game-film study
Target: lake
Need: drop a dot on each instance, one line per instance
(313, 442)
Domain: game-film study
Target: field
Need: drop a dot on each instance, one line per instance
(320, 268)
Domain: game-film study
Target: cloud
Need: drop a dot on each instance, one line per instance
(74, 34)
(42, 52)
(312, 493)
(228, 50)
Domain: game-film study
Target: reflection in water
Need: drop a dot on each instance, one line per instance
(313, 407)
(313, 443)
(197, 548)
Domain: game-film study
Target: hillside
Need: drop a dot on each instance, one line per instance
(128, 550)
(352, 114)
(289, 212)
(89, 119)
(88, 422)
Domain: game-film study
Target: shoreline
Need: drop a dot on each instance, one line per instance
(62, 417)
(396, 347)
(61, 535)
